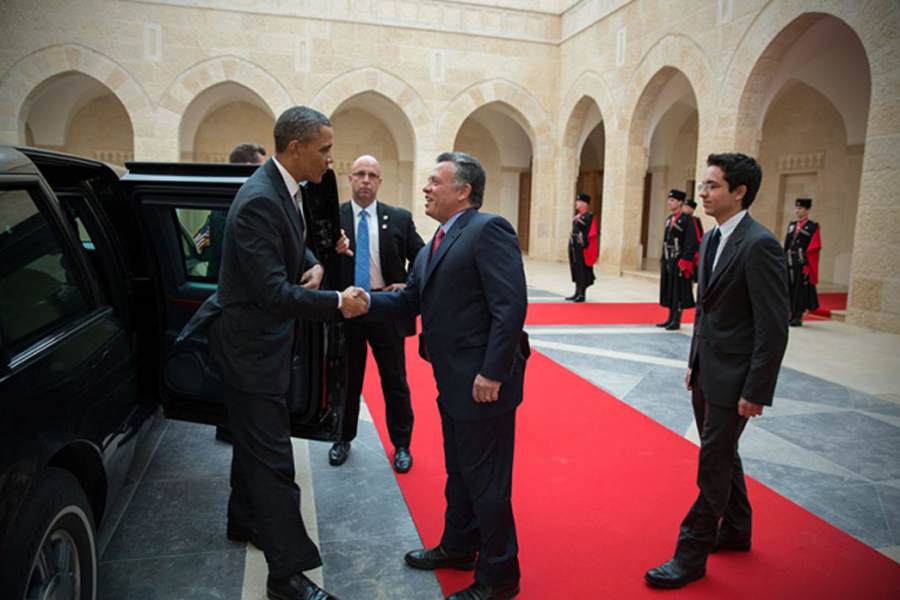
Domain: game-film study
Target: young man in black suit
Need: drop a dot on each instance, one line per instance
(379, 265)
(740, 335)
(468, 284)
(269, 280)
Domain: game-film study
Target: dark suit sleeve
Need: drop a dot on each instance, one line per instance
(261, 254)
(396, 306)
(503, 280)
(767, 284)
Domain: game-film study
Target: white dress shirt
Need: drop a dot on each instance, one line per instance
(726, 229)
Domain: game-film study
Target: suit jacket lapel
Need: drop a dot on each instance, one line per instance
(290, 208)
(381, 220)
(448, 241)
(287, 203)
(732, 246)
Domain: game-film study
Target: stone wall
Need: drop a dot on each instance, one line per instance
(423, 68)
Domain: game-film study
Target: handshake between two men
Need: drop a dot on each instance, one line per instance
(354, 302)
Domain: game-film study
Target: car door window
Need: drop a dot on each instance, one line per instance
(39, 289)
(201, 233)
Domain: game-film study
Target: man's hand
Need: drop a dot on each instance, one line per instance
(354, 302)
(485, 390)
(312, 278)
(343, 245)
(687, 380)
(749, 409)
(394, 287)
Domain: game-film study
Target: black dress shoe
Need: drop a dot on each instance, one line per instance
(338, 453)
(479, 591)
(572, 297)
(295, 587)
(438, 558)
(402, 460)
(724, 544)
(578, 298)
(664, 323)
(796, 322)
(672, 574)
(673, 326)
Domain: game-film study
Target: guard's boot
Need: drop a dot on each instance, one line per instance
(573, 296)
(579, 295)
(676, 322)
(669, 320)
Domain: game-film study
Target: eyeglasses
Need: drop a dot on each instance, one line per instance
(708, 186)
(366, 175)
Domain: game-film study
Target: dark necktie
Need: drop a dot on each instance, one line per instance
(711, 252)
(361, 274)
(437, 241)
(298, 202)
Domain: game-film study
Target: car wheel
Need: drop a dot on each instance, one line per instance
(53, 552)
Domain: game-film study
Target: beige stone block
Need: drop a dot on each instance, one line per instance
(883, 114)
(116, 79)
(865, 294)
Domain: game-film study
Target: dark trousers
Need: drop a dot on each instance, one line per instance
(389, 350)
(479, 518)
(720, 477)
(264, 496)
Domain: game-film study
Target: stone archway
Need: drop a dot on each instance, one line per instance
(525, 110)
(587, 104)
(670, 56)
(370, 79)
(873, 284)
(193, 82)
(18, 85)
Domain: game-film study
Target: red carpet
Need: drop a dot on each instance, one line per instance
(599, 492)
(830, 301)
(595, 313)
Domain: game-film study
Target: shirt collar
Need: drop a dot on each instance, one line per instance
(292, 186)
(371, 210)
(728, 227)
(449, 223)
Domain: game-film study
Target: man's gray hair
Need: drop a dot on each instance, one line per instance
(466, 169)
(299, 123)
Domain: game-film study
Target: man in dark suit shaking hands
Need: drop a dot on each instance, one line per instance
(384, 240)
(268, 280)
(740, 335)
(468, 283)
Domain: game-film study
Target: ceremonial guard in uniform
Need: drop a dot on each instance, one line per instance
(802, 246)
(677, 262)
(583, 248)
(689, 207)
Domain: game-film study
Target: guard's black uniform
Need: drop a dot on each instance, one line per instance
(802, 249)
(582, 275)
(679, 246)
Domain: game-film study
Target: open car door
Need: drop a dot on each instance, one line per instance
(182, 208)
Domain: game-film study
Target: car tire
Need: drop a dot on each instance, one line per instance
(53, 550)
